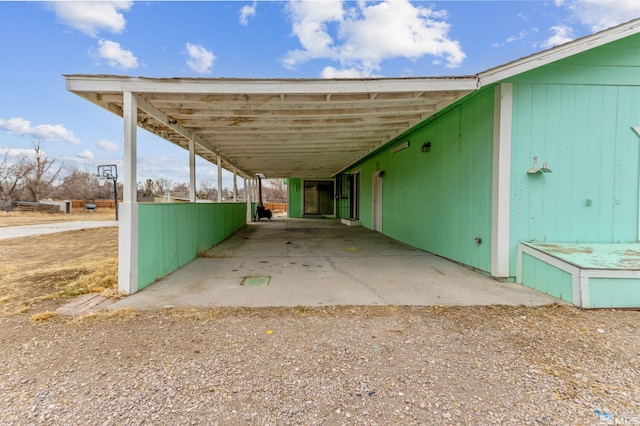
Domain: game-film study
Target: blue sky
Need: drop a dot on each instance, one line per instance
(41, 41)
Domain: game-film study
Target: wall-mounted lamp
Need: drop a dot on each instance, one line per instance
(535, 169)
(381, 174)
(425, 147)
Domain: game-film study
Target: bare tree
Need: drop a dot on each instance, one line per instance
(206, 190)
(160, 186)
(180, 190)
(147, 191)
(79, 185)
(11, 177)
(41, 177)
(275, 190)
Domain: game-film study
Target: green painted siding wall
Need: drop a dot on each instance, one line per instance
(171, 235)
(439, 201)
(295, 197)
(583, 131)
(614, 293)
(546, 278)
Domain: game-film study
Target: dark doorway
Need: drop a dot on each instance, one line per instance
(354, 195)
(319, 197)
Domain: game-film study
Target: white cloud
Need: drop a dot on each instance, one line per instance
(15, 152)
(331, 72)
(107, 145)
(200, 59)
(511, 39)
(362, 36)
(115, 55)
(47, 132)
(86, 155)
(90, 17)
(601, 14)
(246, 12)
(561, 34)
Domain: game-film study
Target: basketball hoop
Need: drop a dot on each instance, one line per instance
(109, 172)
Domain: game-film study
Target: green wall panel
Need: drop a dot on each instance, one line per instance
(584, 134)
(295, 197)
(439, 201)
(614, 293)
(614, 64)
(546, 278)
(576, 115)
(172, 235)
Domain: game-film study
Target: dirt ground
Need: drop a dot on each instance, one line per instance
(40, 273)
(388, 365)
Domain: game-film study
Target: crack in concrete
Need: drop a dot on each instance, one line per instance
(356, 279)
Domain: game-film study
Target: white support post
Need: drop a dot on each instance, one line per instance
(247, 198)
(129, 226)
(192, 170)
(219, 179)
(235, 184)
(501, 207)
(255, 190)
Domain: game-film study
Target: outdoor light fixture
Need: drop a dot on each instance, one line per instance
(425, 147)
(381, 174)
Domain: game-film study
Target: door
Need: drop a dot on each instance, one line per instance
(319, 197)
(376, 192)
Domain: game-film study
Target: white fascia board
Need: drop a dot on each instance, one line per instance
(320, 86)
(557, 53)
(96, 83)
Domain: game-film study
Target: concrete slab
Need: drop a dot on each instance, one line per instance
(320, 262)
(51, 228)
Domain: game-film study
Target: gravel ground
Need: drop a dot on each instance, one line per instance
(333, 366)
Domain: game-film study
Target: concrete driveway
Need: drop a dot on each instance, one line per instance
(321, 262)
(51, 228)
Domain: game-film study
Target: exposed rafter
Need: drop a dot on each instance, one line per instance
(279, 128)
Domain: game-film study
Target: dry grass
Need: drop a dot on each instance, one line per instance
(35, 270)
(125, 314)
(35, 218)
(42, 317)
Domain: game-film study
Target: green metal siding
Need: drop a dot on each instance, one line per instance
(614, 64)
(585, 135)
(548, 279)
(576, 115)
(295, 197)
(171, 235)
(614, 293)
(439, 201)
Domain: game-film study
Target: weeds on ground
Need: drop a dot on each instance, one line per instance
(43, 316)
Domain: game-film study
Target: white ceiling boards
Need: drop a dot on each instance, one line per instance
(277, 127)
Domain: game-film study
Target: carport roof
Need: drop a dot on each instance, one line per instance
(277, 127)
(301, 127)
